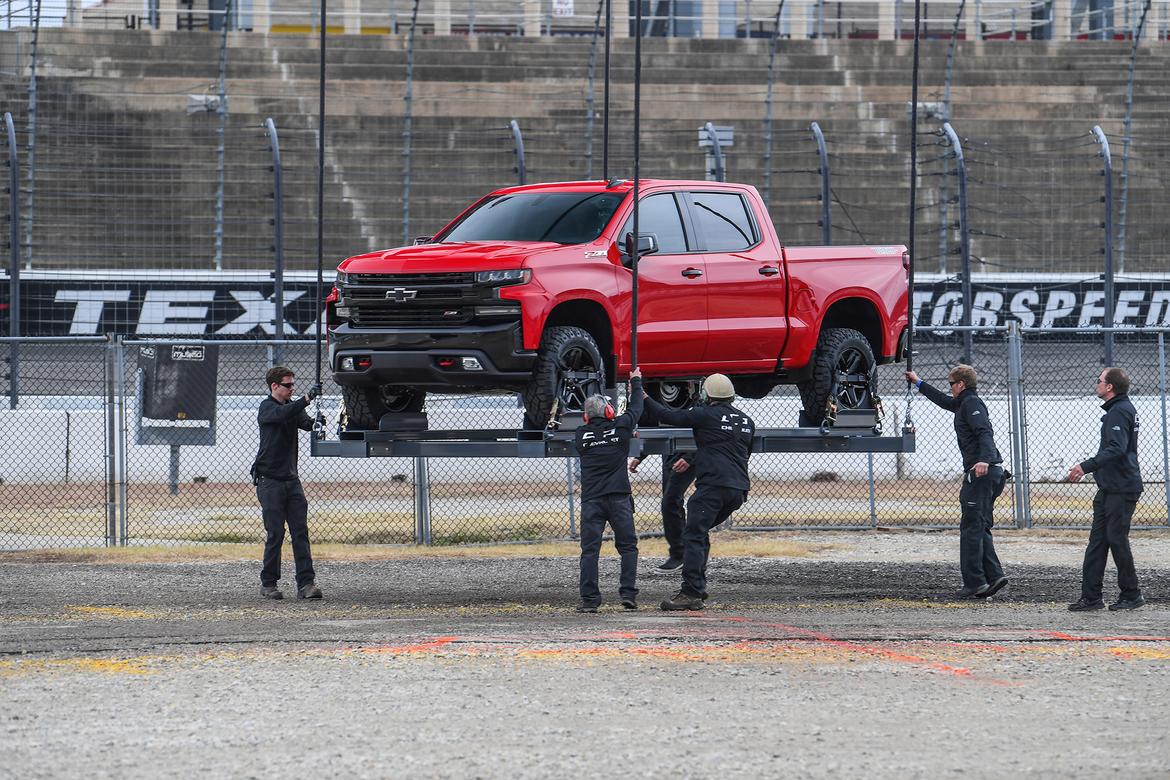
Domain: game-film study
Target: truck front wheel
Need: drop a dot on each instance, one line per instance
(568, 370)
(842, 374)
(364, 406)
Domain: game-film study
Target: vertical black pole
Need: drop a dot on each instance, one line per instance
(605, 114)
(277, 241)
(637, 153)
(518, 149)
(321, 187)
(913, 193)
(14, 271)
(964, 242)
(1107, 223)
(826, 188)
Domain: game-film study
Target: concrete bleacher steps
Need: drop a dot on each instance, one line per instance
(115, 134)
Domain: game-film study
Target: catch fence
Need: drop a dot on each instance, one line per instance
(74, 472)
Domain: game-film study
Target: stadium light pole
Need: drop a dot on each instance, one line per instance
(321, 187)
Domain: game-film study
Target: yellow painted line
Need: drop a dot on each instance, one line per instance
(110, 612)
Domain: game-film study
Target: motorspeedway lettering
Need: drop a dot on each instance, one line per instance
(1044, 308)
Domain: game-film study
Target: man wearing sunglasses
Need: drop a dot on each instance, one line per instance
(983, 480)
(278, 486)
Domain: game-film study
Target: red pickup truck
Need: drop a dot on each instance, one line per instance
(529, 291)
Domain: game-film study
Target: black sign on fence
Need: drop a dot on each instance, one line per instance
(177, 393)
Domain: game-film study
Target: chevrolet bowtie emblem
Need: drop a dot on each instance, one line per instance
(401, 294)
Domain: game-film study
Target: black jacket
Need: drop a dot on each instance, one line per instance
(277, 457)
(1115, 466)
(723, 438)
(604, 446)
(972, 424)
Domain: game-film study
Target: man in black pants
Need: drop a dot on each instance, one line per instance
(723, 437)
(603, 444)
(677, 476)
(282, 500)
(1119, 484)
(983, 480)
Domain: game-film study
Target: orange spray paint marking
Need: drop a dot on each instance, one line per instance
(881, 652)
(423, 647)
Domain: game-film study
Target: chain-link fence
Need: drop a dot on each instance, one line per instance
(86, 463)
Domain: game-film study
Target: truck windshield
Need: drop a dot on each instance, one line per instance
(560, 217)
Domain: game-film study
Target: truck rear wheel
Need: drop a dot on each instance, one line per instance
(364, 406)
(568, 370)
(842, 374)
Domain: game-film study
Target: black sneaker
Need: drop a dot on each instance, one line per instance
(994, 588)
(973, 593)
(670, 564)
(629, 604)
(585, 606)
(1127, 603)
(271, 592)
(1084, 605)
(682, 601)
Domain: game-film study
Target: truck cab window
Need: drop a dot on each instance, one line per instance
(658, 214)
(560, 217)
(722, 220)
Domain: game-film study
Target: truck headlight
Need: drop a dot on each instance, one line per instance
(501, 278)
(341, 280)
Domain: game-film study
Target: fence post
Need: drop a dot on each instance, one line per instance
(220, 133)
(422, 502)
(1127, 136)
(1107, 224)
(589, 92)
(277, 241)
(1165, 432)
(716, 151)
(944, 190)
(826, 190)
(14, 270)
(964, 242)
(1019, 439)
(31, 158)
(518, 150)
(768, 106)
(111, 461)
(120, 463)
(408, 125)
(569, 480)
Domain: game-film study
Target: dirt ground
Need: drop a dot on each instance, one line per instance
(819, 655)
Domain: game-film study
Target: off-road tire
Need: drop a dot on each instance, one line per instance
(562, 348)
(364, 406)
(674, 393)
(843, 366)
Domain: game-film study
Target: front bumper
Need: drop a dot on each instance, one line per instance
(432, 359)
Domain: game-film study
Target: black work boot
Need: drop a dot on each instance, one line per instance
(670, 564)
(309, 591)
(271, 592)
(587, 606)
(1124, 603)
(973, 593)
(1084, 605)
(994, 588)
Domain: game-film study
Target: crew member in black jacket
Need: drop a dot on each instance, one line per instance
(983, 480)
(1119, 484)
(603, 444)
(723, 438)
(274, 472)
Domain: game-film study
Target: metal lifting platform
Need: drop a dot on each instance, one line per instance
(853, 431)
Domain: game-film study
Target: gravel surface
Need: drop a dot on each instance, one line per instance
(851, 662)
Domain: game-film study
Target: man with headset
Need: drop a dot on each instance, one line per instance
(723, 440)
(603, 444)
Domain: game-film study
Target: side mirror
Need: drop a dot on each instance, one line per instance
(422, 240)
(647, 244)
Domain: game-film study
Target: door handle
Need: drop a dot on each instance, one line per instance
(769, 270)
(692, 273)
